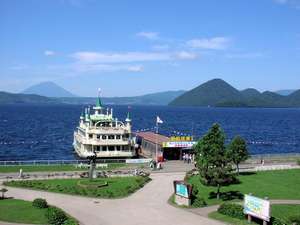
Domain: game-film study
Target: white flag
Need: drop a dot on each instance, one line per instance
(158, 120)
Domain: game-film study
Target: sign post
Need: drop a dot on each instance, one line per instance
(183, 193)
(257, 207)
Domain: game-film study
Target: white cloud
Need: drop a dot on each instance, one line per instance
(293, 3)
(136, 68)
(216, 43)
(249, 55)
(127, 57)
(83, 68)
(186, 55)
(49, 53)
(149, 35)
(160, 47)
(281, 1)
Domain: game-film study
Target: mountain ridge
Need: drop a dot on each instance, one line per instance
(219, 93)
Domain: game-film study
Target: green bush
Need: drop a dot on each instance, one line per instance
(198, 202)
(298, 162)
(70, 222)
(232, 210)
(56, 216)
(40, 203)
(277, 221)
(295, 219)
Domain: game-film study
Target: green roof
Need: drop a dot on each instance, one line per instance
(98, 102)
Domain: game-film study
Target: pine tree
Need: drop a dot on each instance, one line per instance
(214, 167)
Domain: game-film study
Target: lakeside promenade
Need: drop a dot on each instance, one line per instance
(147, 206)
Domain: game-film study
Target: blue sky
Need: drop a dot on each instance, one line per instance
(135, 47)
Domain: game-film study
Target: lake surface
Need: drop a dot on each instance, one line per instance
(46, 132)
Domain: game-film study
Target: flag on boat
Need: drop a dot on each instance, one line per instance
(158, 120)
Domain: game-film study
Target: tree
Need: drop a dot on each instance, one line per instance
(237, 151)
(3, 190)
(212, 162)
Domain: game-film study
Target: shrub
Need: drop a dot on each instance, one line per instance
(198, 202)
(277, 221)
(40, 203)
(298, 162)
(70, 221)
(232, 210)
(295, 219)
(56, 216)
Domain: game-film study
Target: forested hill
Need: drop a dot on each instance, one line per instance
(218, 93)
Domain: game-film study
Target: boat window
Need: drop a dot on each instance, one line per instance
(98, 148)
(118, 136)
(118, 147)
(98, 136)
(103, 137)
(111, 148)
(90, 136)
(104, 148)
(111, 136)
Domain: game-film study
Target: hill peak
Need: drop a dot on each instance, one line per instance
(48, 89)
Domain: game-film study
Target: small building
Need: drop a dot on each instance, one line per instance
(167, 148)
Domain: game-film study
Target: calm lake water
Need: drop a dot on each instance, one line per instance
(46, 132)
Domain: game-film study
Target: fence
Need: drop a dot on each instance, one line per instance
(58, 162)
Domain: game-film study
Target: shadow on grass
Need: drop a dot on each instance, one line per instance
(227, 196)
(247, 173)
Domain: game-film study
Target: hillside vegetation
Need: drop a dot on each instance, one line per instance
(218, 93)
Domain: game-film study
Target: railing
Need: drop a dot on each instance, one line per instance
(58, 162)
(274, 156)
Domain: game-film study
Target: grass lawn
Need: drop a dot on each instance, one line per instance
(114, 187)
(279, 211)
(279, 184)
(19, 211)
(59, 167)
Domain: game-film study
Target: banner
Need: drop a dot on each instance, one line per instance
(178, 144)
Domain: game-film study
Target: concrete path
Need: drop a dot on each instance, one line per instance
(147, 206)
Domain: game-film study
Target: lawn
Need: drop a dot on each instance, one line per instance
(19, 211)
(59, 167)
(282, 212)
(279, 184)
(114, 187)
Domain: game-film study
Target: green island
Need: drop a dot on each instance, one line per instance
(283, 212)
(19, 211)
(112, 187)
(61, 167)
(279, 184)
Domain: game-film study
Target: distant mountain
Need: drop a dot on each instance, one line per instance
(160, 98)
(285, 92)
(250, 93)
(48, 89)
(9, 98)
(211, 93)
(218, 93)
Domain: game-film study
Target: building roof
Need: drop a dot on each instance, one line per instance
(153, 137)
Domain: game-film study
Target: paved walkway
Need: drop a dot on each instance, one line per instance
(148, 206)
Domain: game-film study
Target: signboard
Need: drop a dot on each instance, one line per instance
(257, 207)
(181, 138)
(182, 190)
(178, 144)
